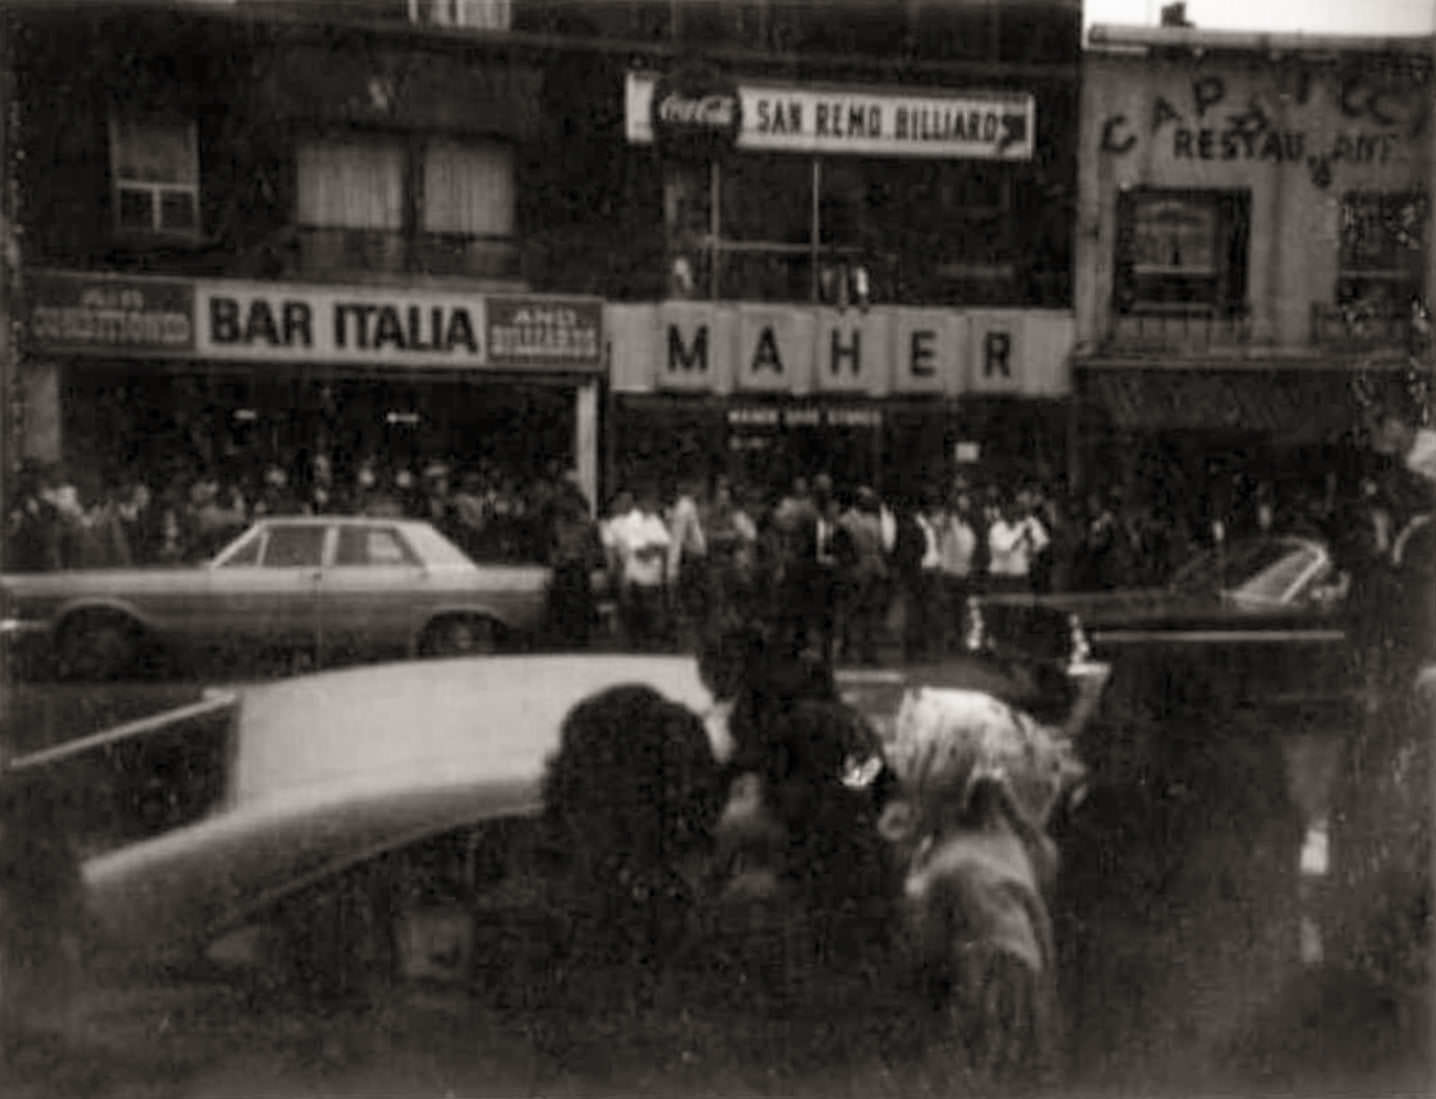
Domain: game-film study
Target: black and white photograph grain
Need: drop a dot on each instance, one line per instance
(717, 549)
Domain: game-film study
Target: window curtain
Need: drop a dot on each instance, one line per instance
(469, 189)
(352, 185)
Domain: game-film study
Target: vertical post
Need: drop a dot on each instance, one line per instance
(715, 225)
(1429, 297)
(9, 346)
(585, 438)
(814, 229)
(608, 429)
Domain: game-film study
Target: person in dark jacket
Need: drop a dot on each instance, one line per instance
(574, 553)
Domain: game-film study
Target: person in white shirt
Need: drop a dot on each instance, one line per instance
(640, 541)
(1014, 539)
(957, 550)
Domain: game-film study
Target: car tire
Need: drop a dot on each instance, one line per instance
(462, 635)
(97, 647)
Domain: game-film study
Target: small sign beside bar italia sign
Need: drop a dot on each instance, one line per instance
(88, 313)
(826, 119)
(222, 319)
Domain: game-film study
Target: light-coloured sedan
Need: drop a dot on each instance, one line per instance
(331, 588)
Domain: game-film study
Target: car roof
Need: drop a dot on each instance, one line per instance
(341, 520)
(334, 767)
(495, 717)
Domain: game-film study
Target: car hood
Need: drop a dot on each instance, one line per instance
(1093, 607)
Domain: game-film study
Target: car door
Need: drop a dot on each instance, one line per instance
(266, 592)
(369, 591)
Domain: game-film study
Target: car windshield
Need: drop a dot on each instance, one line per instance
(1259, 570)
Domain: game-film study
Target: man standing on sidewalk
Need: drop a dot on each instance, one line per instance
(641, 542)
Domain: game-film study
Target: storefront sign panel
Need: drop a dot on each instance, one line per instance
(776, 418)
(853, 353)
(524, 331)
(279, 322)
(995, 360)
(1023, 353)
(632, 333)
(775, 349)
(695, 347)
(929, 350)
(834, 120)
(102, 314)
(695, 112)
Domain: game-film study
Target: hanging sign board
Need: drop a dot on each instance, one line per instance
(836, 120)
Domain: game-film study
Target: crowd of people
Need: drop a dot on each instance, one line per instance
(492, 512)
(852, 571)
(849, 571)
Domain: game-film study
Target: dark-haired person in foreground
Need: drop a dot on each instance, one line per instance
(630, 801)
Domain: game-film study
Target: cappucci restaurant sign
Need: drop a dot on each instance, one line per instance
(263, 321)
(836, 120)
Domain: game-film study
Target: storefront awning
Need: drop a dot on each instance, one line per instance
(1305, 405)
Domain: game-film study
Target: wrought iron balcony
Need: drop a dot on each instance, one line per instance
(1194, 330)
(1360, 327)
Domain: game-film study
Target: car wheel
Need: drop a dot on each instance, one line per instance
(97, 648)
(462, 635)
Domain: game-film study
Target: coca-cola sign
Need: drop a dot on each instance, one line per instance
(696, 112)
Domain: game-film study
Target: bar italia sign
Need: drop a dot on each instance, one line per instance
(271, 321)
(833, 120)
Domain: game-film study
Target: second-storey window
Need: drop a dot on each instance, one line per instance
(398, 203)
(154, 161)
(775, 227)
(352, 184)
(1382, 261)
(1181, 251)
(469, 189)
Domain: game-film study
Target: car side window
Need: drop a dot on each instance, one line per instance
(294, 547)
(247, 554)
(1274, 582)
(373, 546)
(462, 907)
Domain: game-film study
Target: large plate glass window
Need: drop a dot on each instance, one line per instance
(154, 160)
(1182, 251)
(841, 230)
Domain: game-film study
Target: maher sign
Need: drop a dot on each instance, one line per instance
(858, 121)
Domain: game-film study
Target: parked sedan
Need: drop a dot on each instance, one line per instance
(1258, 620)
(328, 587)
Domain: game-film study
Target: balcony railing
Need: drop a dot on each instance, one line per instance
(332, 252)
(1179, 331)
(1357, 327)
